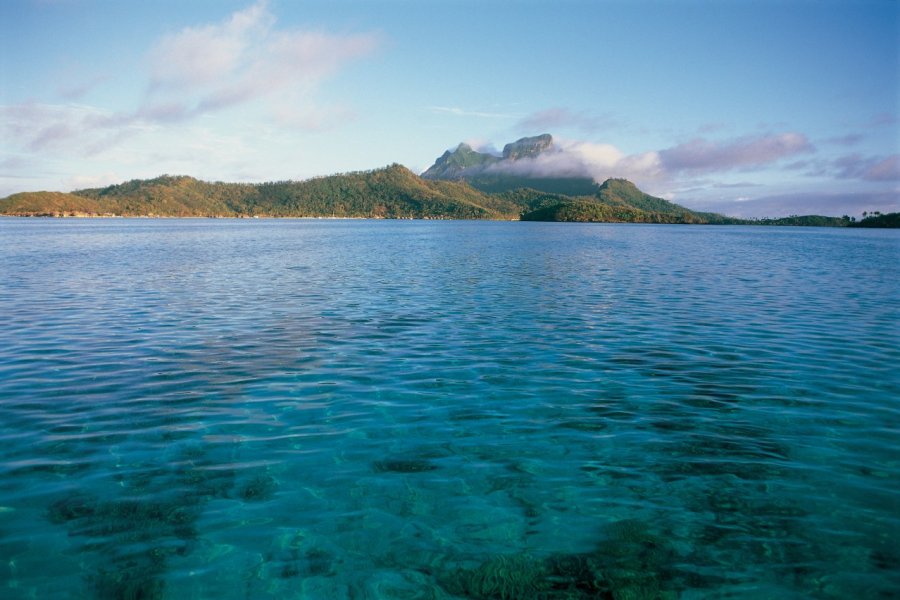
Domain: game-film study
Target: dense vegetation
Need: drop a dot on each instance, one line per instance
(619, 201)
(391, 192)
(804, 221)
(395, 192)
(497, 183)
(49, 204)
(877, 219)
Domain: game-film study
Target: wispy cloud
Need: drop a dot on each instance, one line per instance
(701, 155)
(658, 169)
(42, 128)
(850, 139)
(92, 181)
(76, 90)
(243, 61)
(868, 168)
(803, 203)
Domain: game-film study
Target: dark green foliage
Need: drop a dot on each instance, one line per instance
(495, 183)
(393, 192)
(528, 199)
(588, 210)
(451, 165)
(619, 201)
(621, 192)
(803, 221)
(889, 220)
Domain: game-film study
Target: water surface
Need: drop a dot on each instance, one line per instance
(364, 409)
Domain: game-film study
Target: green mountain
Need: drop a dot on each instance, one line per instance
(462, 184)
(454, 165)
(49, 204)
(390, 192)
(619, 200)
(621, 192)
(528, 147)
(497, 174)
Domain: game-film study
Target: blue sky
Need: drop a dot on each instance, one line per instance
(750, 108)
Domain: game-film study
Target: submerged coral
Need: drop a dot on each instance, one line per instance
(629, 563)
(403, 465)
(260, 487)
(502, 578)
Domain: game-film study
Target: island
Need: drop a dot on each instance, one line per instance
(461, 184)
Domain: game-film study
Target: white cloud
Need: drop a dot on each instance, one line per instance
(587, 159)
(78, 182)
(244, 59)
(243, 62)
(63, 128)
(701, 155)
(871, 168)
(199, 56)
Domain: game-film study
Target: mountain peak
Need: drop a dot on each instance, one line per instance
(453, 165)
(618, 183)
(465, 161)
(527, 147)
(490, 173)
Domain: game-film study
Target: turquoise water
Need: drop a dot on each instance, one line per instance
(387, 410)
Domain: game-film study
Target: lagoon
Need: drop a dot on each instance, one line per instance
(263, 408)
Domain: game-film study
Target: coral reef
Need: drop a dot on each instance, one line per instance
(502, 578)
(629, 563)
(403, 465)
(260, 487)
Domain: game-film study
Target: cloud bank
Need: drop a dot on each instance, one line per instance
(244, 61)
(701, 155)
(869, 168)
(658, 169)
(804, 203)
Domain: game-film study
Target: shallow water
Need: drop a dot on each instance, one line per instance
(364, 409)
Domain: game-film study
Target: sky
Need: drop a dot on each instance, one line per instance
(749, 108)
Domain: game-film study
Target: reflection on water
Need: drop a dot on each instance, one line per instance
(353, 409)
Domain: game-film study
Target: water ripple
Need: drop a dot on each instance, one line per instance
(194, 409)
